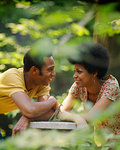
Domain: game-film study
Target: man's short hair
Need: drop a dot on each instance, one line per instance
(30, 61)
(35, 56)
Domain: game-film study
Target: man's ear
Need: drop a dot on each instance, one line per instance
(34, 70)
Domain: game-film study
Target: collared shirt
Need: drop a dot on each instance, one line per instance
(12, 81)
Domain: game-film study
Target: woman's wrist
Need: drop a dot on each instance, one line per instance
(66, 116)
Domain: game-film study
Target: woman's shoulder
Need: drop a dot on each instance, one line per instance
(110, 88)
(110, 80)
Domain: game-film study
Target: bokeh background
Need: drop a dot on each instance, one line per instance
(70, 22)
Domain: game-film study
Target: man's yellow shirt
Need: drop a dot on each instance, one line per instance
(12, 81)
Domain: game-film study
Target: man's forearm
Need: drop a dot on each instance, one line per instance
(37, 109)
(42, 107)
(43, 117)
(33, 109)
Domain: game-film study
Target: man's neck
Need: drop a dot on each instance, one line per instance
(28, 81)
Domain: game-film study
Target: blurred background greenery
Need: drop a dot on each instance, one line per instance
(70, 22)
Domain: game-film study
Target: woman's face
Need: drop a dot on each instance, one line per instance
(82, 77)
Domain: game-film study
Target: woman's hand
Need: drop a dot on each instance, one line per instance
(67, 116)
(80, 122)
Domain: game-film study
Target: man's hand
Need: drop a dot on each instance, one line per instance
(55, 102)
(21, 125)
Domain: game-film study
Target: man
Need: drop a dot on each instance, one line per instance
(19, 86)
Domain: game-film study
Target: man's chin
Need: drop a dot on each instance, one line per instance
(45, 84)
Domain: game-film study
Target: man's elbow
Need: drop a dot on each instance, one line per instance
(30, 113)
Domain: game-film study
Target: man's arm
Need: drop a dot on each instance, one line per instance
(23, 122)
(33, 109)
(43, 98)
(21, 125)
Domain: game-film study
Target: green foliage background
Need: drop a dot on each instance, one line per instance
(22, 22)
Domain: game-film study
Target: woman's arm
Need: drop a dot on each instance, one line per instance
(68, 116)
(81, 119)
(102, 104)
(68, 103)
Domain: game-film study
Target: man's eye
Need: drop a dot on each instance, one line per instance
(50, 70)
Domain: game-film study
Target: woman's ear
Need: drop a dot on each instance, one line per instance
(95, 74)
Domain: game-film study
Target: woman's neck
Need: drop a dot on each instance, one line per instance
(94, 87)
(93, 91)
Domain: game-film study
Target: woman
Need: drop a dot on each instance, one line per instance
(91, 85)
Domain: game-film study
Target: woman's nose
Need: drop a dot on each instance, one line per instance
(74, 76)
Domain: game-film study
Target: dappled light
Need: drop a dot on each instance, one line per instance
(68, 31)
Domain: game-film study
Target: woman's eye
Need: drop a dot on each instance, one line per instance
(79, 71)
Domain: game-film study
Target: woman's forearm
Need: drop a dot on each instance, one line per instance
(67, 116)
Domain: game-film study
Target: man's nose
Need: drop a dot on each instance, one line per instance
(53, 74)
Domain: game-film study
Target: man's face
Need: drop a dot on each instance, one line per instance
(47, 71)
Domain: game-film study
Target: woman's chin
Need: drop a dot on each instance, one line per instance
(79, 84)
